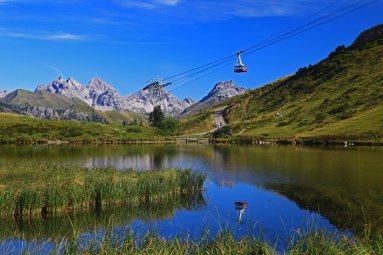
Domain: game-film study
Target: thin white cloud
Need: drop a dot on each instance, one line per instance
(67, 37)
(43, 36)
(129, 20)
(168, 2)
(147, 4)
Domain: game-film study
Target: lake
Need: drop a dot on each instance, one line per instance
(285, 188)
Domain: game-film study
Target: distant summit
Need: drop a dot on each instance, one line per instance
(144, 100)
(220, 92)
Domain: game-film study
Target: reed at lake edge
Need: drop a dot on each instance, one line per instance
(35, 189)
(312, 243)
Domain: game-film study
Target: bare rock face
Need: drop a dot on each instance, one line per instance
(70, 88)
(41, 112)
(223, 91)
(220, 92)
(145, 100)
(51, 114)
(4, 93)
(103, 95)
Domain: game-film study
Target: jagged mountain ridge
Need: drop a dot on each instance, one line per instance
(98, 94)
(221, 91)
(144, 101)
(104, 97)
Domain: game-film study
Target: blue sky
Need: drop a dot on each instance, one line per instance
(127, 42)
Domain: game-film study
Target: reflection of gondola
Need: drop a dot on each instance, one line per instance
(240, 207)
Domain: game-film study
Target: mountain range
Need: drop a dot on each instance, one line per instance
(69, 99)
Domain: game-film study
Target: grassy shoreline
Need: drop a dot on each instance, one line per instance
(18, 129)
(313, 243)
(32, 189)
(312, 141)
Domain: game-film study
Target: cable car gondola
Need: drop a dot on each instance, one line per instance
(239, 66)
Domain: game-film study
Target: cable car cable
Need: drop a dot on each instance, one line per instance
(293, 34)
(312, 24)
(309, 28)
(319, 21)
(292, 26)
(265, 41)
(196, 68)
(206, 69)
(198, 78)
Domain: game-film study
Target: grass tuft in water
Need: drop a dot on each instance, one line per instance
(29, 189)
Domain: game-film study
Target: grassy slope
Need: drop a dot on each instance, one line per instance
(18, 128)
(118, 117)
(23, 98)
(198, 123)
(339, 98)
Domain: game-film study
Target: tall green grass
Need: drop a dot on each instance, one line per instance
(224, 243)
(29, 189)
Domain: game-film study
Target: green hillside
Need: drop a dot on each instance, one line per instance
(338, 99)
(8, 108)
(118, 117)
(24, 98)
(20, 99)
(22, 129)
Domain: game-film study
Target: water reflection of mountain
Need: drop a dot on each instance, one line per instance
(65, 226)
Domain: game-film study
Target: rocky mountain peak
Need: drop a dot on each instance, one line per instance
(144, 101)
(223, 90)
(220, 92)
(96, 83)
(62, 86)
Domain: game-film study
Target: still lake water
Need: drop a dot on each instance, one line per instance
(286, 187)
